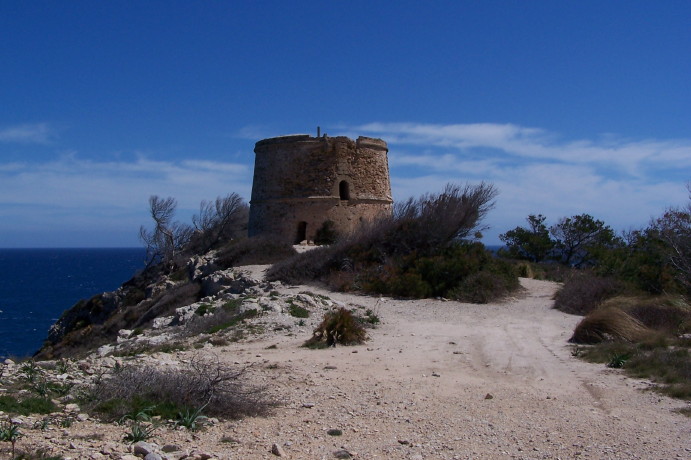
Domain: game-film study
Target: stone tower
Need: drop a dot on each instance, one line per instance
(300, 182)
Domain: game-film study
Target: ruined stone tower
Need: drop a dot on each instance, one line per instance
(300, 182)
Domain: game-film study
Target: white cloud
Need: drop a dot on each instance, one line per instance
(30, 133)
(621, 181)
(78, 193)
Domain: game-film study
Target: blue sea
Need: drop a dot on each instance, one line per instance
(37, 285)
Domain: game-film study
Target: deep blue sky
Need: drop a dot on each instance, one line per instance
(567, 107)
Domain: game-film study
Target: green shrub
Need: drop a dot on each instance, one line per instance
(418, 252)
(203, 309)
(461, 271)
(297, 311)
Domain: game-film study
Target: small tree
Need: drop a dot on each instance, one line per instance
(674, 229)
(223, 219)
(580, 239)
(532, 243)
(167, 237)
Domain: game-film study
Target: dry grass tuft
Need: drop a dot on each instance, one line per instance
(607, 325)
(338, 327)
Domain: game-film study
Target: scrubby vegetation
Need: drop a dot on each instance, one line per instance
(339, 326)
(260, 250)
(633, 289)
(203, 386)
(424, 250)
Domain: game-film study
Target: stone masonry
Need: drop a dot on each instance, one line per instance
(300, 182)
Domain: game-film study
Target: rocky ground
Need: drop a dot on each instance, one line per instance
(436, 380)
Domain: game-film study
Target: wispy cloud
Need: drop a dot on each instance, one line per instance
(72, 192)
(622, 181)
(632, 157)
(30, 133)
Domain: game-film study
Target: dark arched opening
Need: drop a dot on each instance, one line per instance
(302, 232)
(344, 190)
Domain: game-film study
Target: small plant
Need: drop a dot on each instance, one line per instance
(301, 323)
(371, 317)
(9, 432)
(334, 432)
(189, 418)
(203, 309)
(618, 361)
(66, 422)
(297, 311)
(62, 366)
(139, 432)
(31, 371)
(138, 415)
(42, 424)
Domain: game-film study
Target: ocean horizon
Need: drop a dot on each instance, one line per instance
(38, 284)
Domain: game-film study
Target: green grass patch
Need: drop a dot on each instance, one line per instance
(233, 321)
(27, 406)
(666, 363)
(297, 311)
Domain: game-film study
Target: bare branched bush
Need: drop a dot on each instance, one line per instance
(167, 237)
(434, 220)
(204, 382)
(222, 220)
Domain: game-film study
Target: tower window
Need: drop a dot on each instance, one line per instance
(344, 190)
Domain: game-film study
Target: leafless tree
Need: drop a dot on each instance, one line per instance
(434, 220)
(222, 219)
(674, 228)
(167, 237)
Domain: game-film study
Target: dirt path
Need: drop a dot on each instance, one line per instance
(444, 380)
(437, 380)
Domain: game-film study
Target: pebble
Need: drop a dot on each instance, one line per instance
(277, 450)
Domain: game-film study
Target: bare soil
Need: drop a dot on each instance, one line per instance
(437, 380)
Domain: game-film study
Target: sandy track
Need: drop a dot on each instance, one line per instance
(437, 380)
(419, 389)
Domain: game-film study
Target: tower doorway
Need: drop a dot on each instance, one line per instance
(302, 232)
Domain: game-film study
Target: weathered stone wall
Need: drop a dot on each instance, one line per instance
(301, 181)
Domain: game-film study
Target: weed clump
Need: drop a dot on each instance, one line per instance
(201, 385)
(339, 326)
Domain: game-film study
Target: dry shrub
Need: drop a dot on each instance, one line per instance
(304, 267)
(609, 324)
(664, 314)
(254, 251)
(205, 383)
(584, 292)
(167, 302)
(339, 326)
